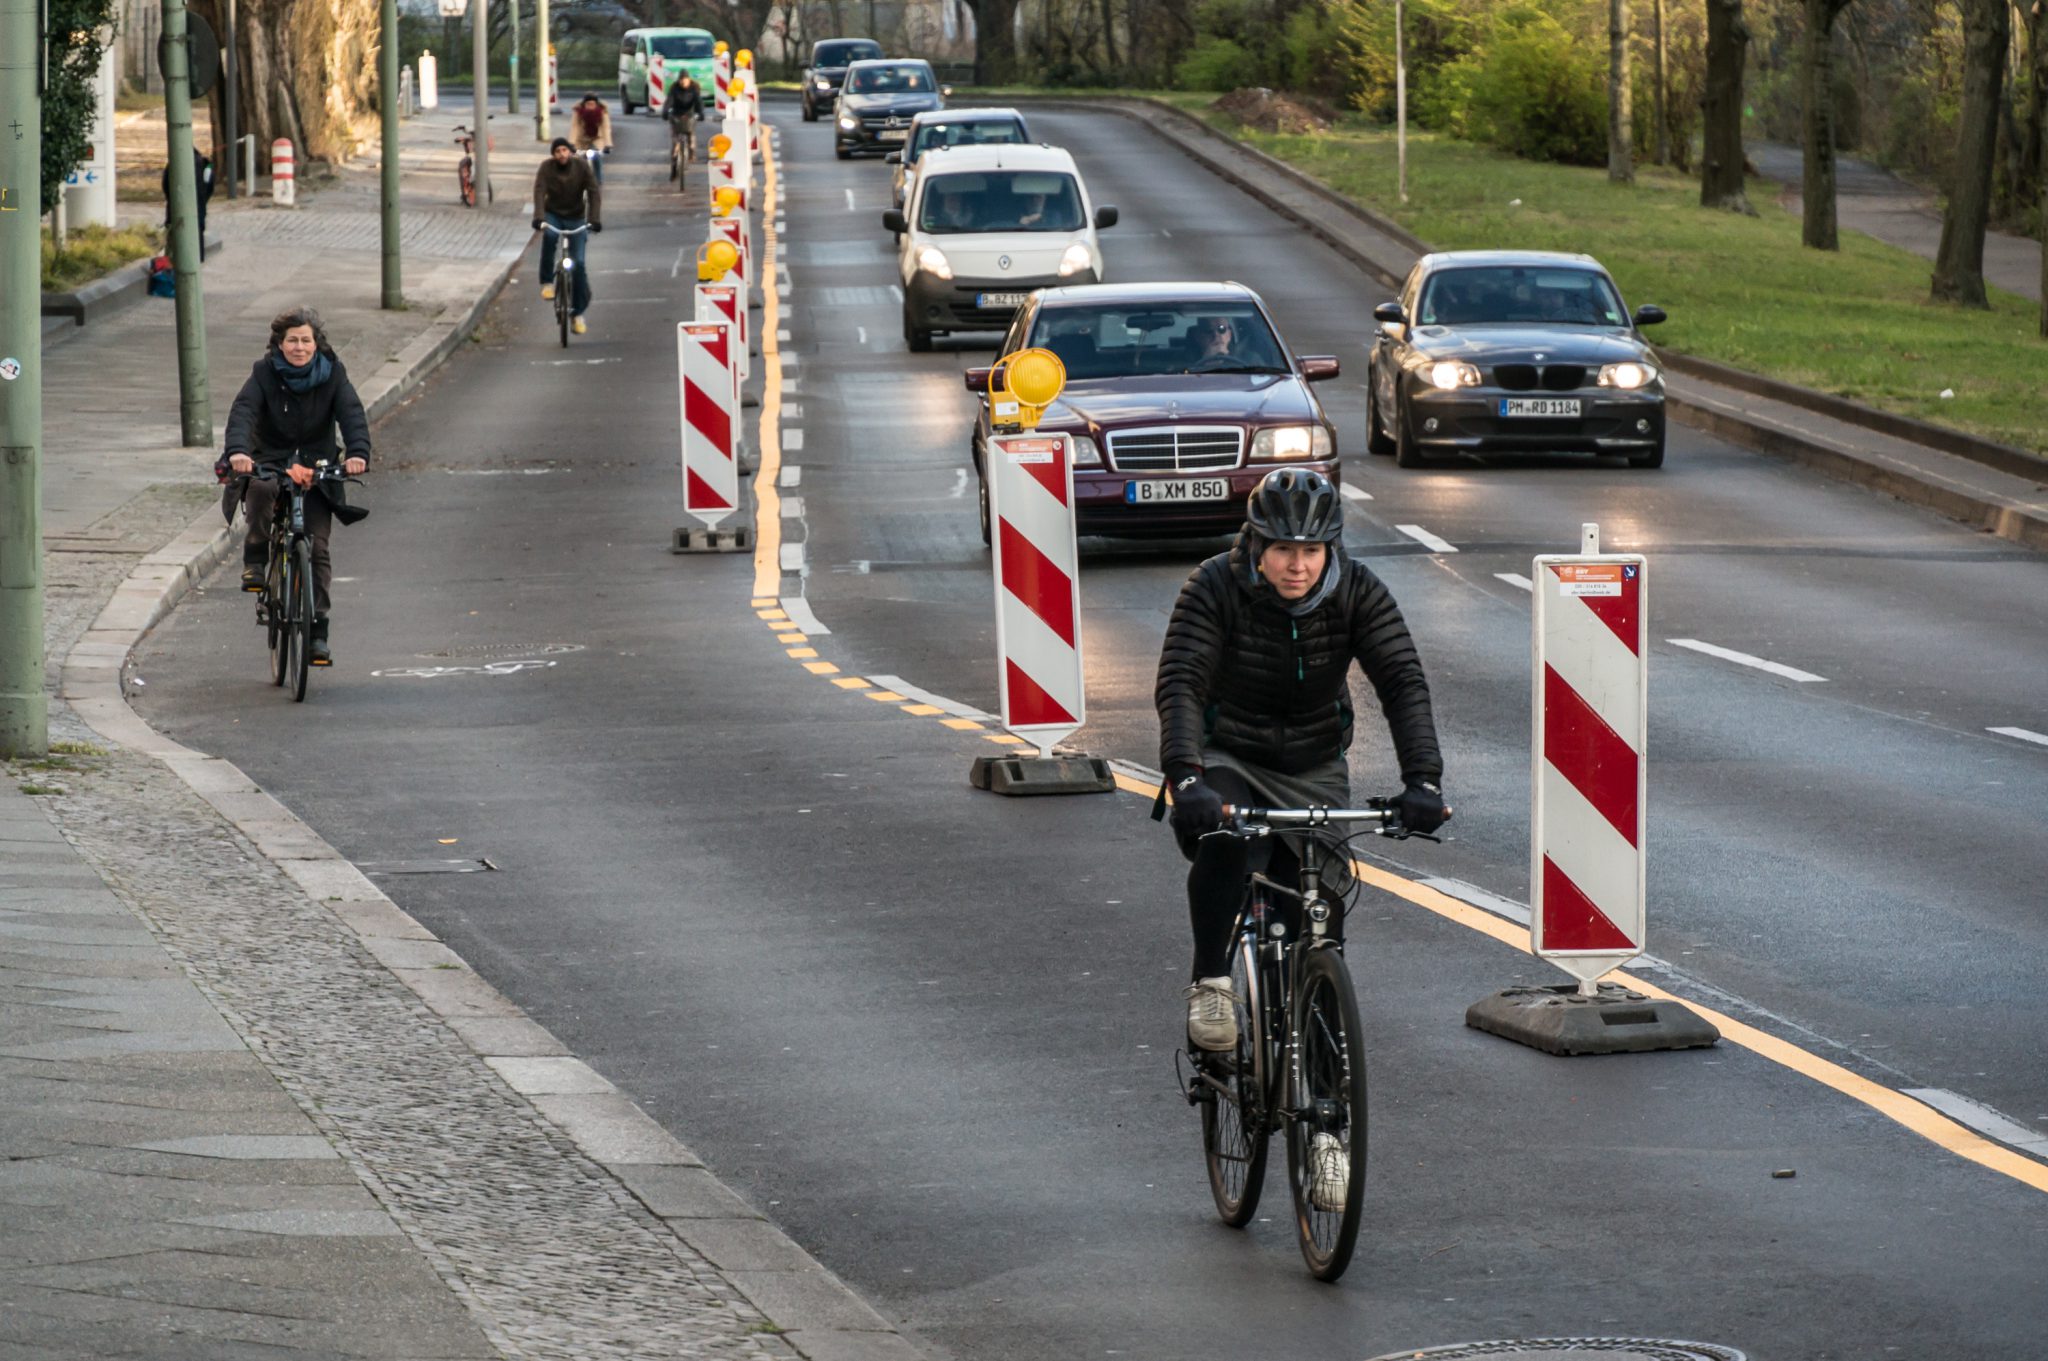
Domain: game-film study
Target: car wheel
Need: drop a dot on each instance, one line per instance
(920, 342)
(988, 535)
(1376, 441)
(1653, 459)
(842, 153)
(625, 100)
(810, 112)
(1406, 454)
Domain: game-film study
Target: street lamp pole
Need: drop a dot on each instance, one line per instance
(480, 82)
(1401, 98)
(24, 710)
(543, 51)
(195, 406)
(387, 108)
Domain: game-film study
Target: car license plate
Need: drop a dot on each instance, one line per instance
(1540, 406)
(895, 134)
(1177, 489)
(1010, 300)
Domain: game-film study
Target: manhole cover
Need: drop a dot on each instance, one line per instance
(1579, 1348)
(504, 650)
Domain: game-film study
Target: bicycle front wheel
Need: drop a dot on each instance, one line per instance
(1326, 1130)
(302, 619)
(563, 288)
(1234, 1119)
(277, 614)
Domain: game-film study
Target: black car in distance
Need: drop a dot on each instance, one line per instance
(878, 101)
(826, 71)
(1528, 351)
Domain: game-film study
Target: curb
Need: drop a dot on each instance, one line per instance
(820, 1316)
(111, 293)
(2021, 519)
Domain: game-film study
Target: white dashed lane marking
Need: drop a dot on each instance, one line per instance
(1356, 493)
(1726, 654)
(2039, 739)
(1515, 579)
(1427, 539)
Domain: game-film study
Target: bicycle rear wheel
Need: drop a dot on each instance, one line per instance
(1330, 1089)
(277, 613)
(1234, 1120)
(302, 618)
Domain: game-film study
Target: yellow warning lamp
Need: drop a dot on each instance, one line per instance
(715, 260)
(727, 200)
(719, 146)
(737, 86)
(719, 48)
(743, 57)
(1023, 386)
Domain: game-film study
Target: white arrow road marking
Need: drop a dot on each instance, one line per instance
(2022, 734)
(959, 484)
(1744, 659)
(1427, 539)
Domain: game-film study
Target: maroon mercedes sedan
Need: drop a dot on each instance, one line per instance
(1179, 397)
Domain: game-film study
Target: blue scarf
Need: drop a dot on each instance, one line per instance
(303, 378)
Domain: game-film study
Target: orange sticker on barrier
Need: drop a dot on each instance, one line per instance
(1588, 578)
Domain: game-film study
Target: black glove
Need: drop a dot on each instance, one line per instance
(1421, 806)
(596, 227)
(536, 224)
(1196, 807)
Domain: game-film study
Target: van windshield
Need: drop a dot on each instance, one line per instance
(681, 47)
(1152, 338)
(845, 53)
(889, 80)
(1001, 201)
(974, 132)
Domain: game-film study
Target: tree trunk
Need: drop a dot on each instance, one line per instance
(1959, 263)
(1661, 87)
(1817, 181)
(1109, 32)
(306, 70)
(1721, 159)
(995, 40)
(1621, 124)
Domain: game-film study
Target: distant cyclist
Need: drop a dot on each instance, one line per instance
(683, 107)
(285, 418)
(565, 194)
(590, 128)
(1255, 706)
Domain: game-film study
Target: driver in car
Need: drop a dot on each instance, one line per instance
(1215, 338)
(954, 211)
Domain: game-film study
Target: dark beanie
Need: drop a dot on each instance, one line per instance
(561, 142)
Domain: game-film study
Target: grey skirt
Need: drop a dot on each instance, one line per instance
(1328, 784)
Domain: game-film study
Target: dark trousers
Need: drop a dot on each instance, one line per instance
(259, 503)
(579, 295)
(1216, 879)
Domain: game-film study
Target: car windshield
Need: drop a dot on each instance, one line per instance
(844, 54)
(1001, 201)
(1150, 338)
(979, 132)
(889, 80)
(1518, 294)
(681, 47)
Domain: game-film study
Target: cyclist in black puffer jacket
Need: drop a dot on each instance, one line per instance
(1255, 708)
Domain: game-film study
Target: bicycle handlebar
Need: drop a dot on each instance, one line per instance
(564, 231)
(1241, 821)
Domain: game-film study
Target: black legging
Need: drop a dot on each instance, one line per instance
(1216, 879)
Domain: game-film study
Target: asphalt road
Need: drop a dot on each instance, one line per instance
(931, 1032)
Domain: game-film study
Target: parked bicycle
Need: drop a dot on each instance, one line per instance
(1299, 1066)
(465, 169)
(285, 608)
(564, 275)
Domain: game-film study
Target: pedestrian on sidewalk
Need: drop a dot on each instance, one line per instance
(202, 179)
(565, 194)
(591, 127)
(285, 417)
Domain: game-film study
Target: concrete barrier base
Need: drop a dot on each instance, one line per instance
(1025, 775)
(738, 539)
(1618, 1020)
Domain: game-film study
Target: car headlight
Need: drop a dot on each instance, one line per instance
(1075, 260)
(847, 122)
(1285, 443)
(1086, 455)
(1452, 374)
(933, 261)
(1628, 375)
(822, 83)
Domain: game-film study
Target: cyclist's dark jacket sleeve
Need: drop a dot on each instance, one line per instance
(1384, 648)
(1188, 663)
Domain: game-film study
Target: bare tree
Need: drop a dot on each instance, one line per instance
(1721, 159)
(1660, 87)
(995, 40)
(1959, 262)
(1817, 181)
(1621, 125)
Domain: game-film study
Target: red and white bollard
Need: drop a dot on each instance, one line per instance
(283, 173)
(706, 359)
(1038, 586)
(725, 300)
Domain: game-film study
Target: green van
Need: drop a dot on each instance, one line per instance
(679, 48)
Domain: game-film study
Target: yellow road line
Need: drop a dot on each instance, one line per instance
(767, 497)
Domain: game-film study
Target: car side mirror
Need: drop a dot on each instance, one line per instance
(1318, 367)
(976, 380)
(1648, 315)
(1390, 314)
(1105, 216)
(893, 158)
(893, 220)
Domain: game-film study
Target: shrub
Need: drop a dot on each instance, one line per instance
(1537, 92)
(1214, 64)
(90, 252)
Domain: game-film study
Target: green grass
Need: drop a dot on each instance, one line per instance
(91, 252)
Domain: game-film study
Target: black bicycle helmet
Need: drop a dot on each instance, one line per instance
(1296, 505)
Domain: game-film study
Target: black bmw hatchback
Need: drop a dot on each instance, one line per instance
(1513, 351)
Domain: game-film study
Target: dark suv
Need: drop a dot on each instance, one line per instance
(1179, 398)
(878, 100)
(827, 71)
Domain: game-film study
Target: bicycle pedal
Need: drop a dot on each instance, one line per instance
(323, 661)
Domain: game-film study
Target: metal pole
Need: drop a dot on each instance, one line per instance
(512, 90)
(228, 93)
(24, 712)
(195, 406)
(1401, 99)
(387, 108)
(543, 49)
(480, 83)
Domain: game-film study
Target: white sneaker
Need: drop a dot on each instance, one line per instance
(1212, 1015)
(1329, 1173)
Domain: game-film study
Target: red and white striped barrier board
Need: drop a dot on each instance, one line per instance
(1586, 872)
(711, 420)
(721, 72)
(725, 301)
(1038, 586)
(657, 84)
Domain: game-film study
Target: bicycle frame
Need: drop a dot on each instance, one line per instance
(1282, 960)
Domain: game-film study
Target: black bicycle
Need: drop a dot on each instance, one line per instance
(285, 609)
(565, 274)
(1299, 1065)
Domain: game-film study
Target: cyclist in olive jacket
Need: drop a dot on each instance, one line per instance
(1255, 708)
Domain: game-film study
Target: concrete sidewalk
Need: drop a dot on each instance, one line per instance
(248, 1107)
